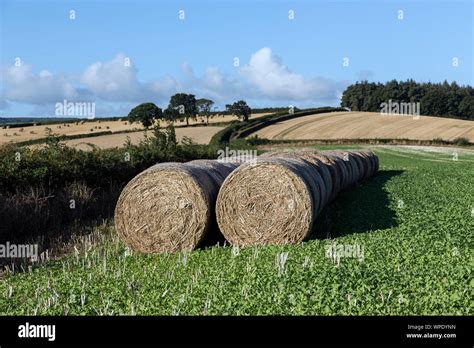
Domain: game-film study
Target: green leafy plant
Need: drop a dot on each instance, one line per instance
(413, 221)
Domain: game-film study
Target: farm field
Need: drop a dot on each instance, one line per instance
(413, 221)
(94, 126)
(200, 135)
(368, 125)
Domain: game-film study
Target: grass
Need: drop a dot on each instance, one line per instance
(414, 222)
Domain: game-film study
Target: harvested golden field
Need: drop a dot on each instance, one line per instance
(368, 125)
(200, 135)
(94, 126)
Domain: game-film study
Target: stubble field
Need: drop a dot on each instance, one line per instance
(95, 126)
(368, 125)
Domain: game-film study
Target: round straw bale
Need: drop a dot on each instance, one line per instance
(359, 161)
(170, 206)
(334, 171)
(365, 164)
(271, 201)
(345, 163)
(355, 167)
(326, 186)
(341, 170)
(316, 159)
(338, 165)
(362, 164)
(373, 159)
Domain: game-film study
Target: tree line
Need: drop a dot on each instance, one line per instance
(436, 99)
(183, 106)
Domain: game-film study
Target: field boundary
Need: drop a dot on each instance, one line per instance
(263, 122)
(367, 141)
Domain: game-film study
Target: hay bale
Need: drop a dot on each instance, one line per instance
(367, 162)
(271, 201)
(314, 159)
(347, 164)
(331, 167)
(360, 168)
(375, 159)
(341, 166)
(361, 164)
(338, 173)
(170, 206)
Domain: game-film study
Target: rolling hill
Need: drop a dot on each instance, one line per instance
(368, 125)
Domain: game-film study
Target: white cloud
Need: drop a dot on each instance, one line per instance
(274, 80)
(114, 85)
(24, 86)
(162, 89)
(115, 80)
(213, 84)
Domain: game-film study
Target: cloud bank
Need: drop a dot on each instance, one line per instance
(114, 85)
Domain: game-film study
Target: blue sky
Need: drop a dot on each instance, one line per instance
(282, 61)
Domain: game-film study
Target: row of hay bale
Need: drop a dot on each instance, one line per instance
(277, 199)
(273, 199)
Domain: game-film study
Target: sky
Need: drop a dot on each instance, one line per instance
(118, 54)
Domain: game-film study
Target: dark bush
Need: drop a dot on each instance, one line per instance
(461, 141)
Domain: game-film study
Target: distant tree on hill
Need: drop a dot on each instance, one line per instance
(466, 106)
(240, 109)
(437, 99)
(171, 114)
(181, 106)
(434, 102)
(204, 107)
(145, 113)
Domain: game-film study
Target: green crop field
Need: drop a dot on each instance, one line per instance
(412, 226)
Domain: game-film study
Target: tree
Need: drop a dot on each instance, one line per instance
(204, 108)
(185, 104)
(170, 114)
(437, 99)
(240, 109)
(145, 113)
(227, 108)
(434, 102)
(466, 107)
